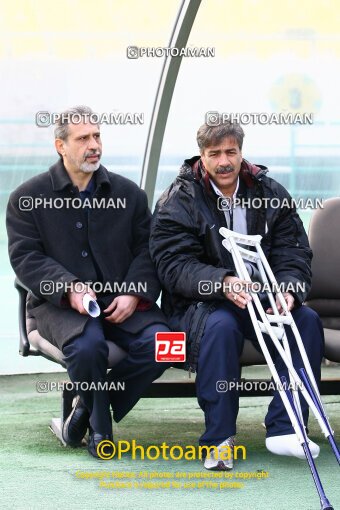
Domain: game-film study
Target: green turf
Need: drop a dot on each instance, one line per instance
(37, 472)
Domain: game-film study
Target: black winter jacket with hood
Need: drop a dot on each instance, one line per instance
(186, 245)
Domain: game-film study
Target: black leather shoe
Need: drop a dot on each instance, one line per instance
(76, 424)
(107, 448)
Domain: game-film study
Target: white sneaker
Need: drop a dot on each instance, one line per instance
(221, 459)
(289, 445)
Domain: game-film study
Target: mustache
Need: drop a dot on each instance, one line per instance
(92, 153)
(224, 169)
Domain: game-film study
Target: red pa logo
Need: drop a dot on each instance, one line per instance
(170, 346)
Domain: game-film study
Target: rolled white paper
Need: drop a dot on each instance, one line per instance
(91, 305)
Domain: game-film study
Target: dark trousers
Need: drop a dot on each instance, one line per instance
(86, 358)
(220, 349)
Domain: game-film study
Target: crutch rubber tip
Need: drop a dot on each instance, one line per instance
(325, 504)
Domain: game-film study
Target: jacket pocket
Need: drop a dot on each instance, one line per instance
(198, 318)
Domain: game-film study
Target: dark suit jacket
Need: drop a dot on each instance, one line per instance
(60, 244)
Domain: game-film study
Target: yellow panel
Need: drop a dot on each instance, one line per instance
(75, 29)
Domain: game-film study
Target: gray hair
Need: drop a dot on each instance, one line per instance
(73, 115)
(212, 135)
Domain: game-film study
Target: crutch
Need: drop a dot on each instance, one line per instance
(273, 325)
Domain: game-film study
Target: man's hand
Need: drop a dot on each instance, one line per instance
(75, 296)
(122, 308)
(235, 290)
(290, 300)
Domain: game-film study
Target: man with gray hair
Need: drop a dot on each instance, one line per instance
(94, 246)
(202, 295)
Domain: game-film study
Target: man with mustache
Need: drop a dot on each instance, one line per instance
(72, 245)
(204, 297)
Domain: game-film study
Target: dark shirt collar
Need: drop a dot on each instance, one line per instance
(60, 178)
(91, 185)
